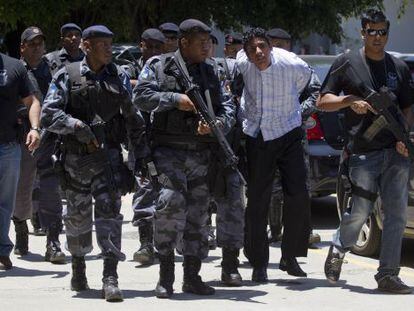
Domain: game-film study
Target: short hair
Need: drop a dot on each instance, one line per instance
(373, 16)
(254, 33)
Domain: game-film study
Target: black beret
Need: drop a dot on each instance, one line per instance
(233, 38)
(153, 34)
(278, 33)
(193, 25)
(68, 27)
(31, 33)
(97, 31)
(169, 27)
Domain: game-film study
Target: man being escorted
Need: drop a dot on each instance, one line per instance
(181, 154)
(89, 104)
(377, 163)
(273, 80)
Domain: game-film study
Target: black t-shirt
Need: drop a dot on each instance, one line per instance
(390, 72)
(14, 85)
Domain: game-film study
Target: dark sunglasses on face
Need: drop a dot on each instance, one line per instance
(376, 32)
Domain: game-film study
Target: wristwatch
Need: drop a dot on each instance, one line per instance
(35, 128)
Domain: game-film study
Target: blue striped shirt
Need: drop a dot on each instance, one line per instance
(270, 99)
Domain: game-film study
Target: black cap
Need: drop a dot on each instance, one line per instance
(97, 31)
(169, 28)
(69, 27)
(153, 34)
(278, 33)
(193, 25)
(31, 33)
(233, 38)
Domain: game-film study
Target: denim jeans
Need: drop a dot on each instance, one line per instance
(10, 154)
(386, 172)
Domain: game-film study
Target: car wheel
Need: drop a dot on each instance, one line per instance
(369, 239)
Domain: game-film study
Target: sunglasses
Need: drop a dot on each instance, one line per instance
(376, 32)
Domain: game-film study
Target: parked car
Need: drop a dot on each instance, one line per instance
(124, 54)
(369, 239)
(324, 137)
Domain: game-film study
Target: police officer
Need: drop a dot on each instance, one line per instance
(152, 41)
(170, 31)
(233, 42)
(89, 104)
(181, 154)
(70, 38)
(280, 38)
(49, 202)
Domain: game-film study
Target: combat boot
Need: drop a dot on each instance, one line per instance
(110, 289)
(192, 281)
(164, 287)
(229, 272)
(78, 282)
(53, 252)
(37, 229)
(21, 246)
(145, 254)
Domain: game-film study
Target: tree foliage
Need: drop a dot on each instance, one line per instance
(127, 18)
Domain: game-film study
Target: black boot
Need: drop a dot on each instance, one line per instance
(110, 289)
(37, 229)
(78, 282)
(164, 287)
(229, 273)
(192, 281)
(145, 254)
(53, 252)
(22, 237)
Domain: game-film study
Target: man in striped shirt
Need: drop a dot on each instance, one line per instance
(273, 80)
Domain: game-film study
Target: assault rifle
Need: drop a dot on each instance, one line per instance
(173, 68)
(381, 101)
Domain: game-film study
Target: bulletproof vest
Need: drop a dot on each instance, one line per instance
(182, 125)
(89, 97)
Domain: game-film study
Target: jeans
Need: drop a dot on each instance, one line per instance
(10, 154)
(386, 172)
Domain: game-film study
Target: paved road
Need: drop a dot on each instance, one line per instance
(37, 285)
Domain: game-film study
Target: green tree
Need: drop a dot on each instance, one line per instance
(127, 18)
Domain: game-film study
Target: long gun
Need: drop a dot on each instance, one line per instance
(173, 68)
(381, 101)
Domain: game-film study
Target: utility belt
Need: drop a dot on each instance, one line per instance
(181, 142)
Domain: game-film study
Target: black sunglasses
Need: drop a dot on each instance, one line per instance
(376, 32)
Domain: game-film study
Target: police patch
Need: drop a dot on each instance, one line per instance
(145, 73)
(392, 80)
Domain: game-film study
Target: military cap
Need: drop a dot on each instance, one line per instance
(169, 28)
(153, 34)
(278, 33)
(97, 31)
(68, 27)
(193, 25)
(30, 33)
(233, 38)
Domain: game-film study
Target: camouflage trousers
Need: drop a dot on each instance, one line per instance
(182, 205)
(276, 200)
(86, 183)
(230, 213)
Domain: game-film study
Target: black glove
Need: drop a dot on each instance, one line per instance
(84, 133)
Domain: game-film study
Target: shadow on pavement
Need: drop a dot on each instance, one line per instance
(246, 295)
(23, 272)
(310, 284)
(127, 293)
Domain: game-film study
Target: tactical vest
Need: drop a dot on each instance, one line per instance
(181, 126)
(103, 98)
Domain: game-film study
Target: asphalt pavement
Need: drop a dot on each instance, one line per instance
(34, 284)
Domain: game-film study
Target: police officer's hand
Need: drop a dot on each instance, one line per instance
(185, 103)
(360, 106)
(32, 140)
(203, 129)
(401, 148)
(84, 134)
